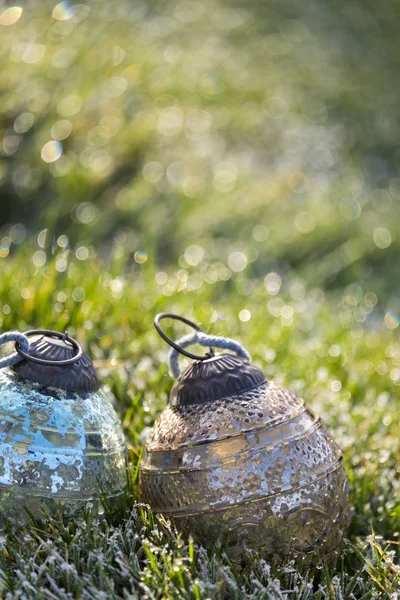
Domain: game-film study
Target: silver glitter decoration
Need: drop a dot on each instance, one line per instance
(58, 448)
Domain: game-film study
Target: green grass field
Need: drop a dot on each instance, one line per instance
(236, 164)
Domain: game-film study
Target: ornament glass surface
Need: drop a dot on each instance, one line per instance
(61, 444)
(237, 458)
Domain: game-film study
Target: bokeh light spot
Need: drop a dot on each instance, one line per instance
(86, 213)
(100, 162)
(192, 186)
(115, 86)
(172, 53)
(272, 283)
(170, 121)
(117, 287)
(69, 105)
(260, 233)
(118, 55)
(33, 53)
(153, 172)
(305, 222)
(63, 11)
(63, 241)
(78, 295)
(334, 350)
(297, 290)
(299, 183)
(61, 167)
(82, 253)
(237, 262)
(161, 278)
(23, 122)
(382, 238)
(198, 121)
(61, 130)
(245, 315)
(39, 258)
(353, 294)
(391, 320)
(194, 282)
(18, 233)
(63, 58)
(194, 255)
(51, 151)
(350, 209)
(140, 257)
(287, 311)
(10, 15)
(225, 177)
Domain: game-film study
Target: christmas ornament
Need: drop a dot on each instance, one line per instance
(61, 444)
(240, 459)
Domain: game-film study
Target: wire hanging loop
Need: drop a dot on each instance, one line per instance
(198, 337)
(20, 339)
(178, 347)
(53, 334)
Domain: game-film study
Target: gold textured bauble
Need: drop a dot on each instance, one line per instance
(238, 459)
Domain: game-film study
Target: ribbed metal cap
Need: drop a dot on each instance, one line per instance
(217, 377)
(79, 376)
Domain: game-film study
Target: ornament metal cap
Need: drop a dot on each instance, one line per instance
(57, 360)
(217, 377)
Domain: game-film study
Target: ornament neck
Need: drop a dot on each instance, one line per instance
(203, 339)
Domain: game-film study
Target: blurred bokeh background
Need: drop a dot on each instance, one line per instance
(218, 137)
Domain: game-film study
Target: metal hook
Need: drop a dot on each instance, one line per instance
(181, 350)
(54, 334)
